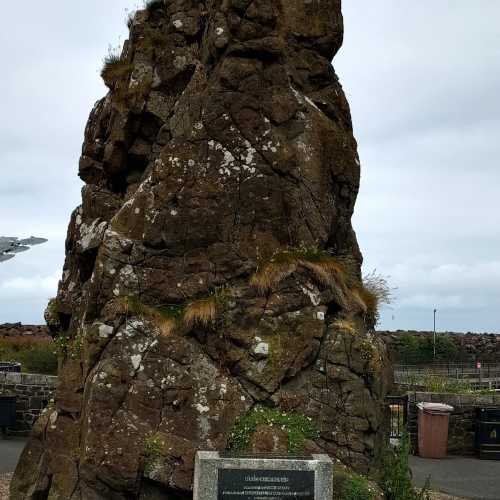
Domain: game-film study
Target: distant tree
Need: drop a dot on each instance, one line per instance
(10, 246)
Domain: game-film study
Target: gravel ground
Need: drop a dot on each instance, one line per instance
(4, 486)
(5, 480)
(442, 496)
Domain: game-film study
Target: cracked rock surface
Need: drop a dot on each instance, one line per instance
(225, 143)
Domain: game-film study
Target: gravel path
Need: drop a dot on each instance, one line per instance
(5, 480)
(442, 496)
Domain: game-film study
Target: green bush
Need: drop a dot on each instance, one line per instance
(356, 487)
(395, 479)
(416, 349)
(35, 355)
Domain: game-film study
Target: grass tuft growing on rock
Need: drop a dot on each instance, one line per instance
(114, 68)
(163, 318)
(325, 268)
(346, 325)
(298, 428)
(201, 312)
(374, 292)
(153, 445)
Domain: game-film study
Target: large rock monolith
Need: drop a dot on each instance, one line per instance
(212, 286)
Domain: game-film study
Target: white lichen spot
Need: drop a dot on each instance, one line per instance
(201, 408)
(312, 292)
(136, 361)
(320, 315)
(53, 417)
(261, 349)
(178, 24)
(219, 31)
(105, 331)
(173, 213)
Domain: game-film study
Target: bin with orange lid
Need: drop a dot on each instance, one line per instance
(433, 422)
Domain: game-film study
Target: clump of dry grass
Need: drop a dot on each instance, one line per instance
(346, 325)
(169, 318)
(374, 292)
(201, 312)
(115, 68)
(165, 322)
(326, 269)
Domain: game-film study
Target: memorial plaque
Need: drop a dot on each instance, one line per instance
(251, 484)
(262, 477)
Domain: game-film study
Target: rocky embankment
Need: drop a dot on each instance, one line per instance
(471, 347)
(20, 330)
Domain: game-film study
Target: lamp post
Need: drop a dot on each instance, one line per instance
(435, 311)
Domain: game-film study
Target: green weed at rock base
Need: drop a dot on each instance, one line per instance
(356, 487)
(395, 479)
(298, 428)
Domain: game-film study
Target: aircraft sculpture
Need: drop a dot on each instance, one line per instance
(10, 246)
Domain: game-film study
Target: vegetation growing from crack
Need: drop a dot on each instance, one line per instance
(374, 292)
(326, 269)
(164, 318)
(298, 428)
(370, 293)
(67, 347)
(152, 452)
(115, 68)
(168, 318)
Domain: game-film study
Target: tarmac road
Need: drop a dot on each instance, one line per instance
(461, 476)
(10, 451)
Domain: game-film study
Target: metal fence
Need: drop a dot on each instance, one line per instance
(474, 377)
(455, 370)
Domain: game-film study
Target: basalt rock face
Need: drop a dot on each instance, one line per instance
(212, 266)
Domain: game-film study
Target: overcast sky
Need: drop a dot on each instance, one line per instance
(422, 79)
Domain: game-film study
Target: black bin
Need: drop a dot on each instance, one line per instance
(7, 411)
(488, 433)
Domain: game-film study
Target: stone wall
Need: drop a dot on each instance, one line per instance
(462, 421)
(33, 393)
